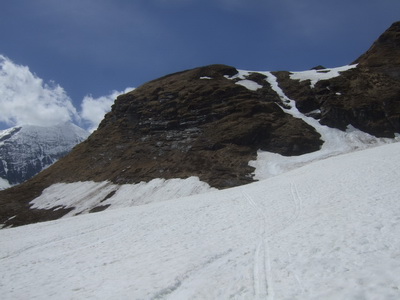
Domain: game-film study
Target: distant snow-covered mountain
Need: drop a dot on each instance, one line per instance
(26, 150)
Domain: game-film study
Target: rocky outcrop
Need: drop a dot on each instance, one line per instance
(193, 123)
(366, 97)
(369, 101)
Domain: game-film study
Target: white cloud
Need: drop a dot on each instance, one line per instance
(94, 109)
(26, 99)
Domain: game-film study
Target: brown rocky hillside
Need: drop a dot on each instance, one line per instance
(202, 123)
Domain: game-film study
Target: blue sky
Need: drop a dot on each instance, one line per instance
(94, 48)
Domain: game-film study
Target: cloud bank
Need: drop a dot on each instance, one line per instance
(94, 109)
(26, 99)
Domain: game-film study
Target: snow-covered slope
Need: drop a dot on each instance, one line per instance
(28, 149)
(328, 230)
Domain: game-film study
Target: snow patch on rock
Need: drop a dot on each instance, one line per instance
(316, 75)
(4, 184)
(249, 84)
(336, 142)
(83, 197)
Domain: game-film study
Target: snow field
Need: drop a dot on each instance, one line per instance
(328, 230)
(151, 247)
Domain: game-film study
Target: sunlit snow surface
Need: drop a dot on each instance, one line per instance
(4, 184)
(328, 230)
(85, 196)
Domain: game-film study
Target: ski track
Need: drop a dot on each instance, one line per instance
(54, 241)
(286, 213)
(297, 201)
(262, 272)
(168, 292)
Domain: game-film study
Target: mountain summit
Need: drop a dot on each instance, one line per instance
(26, 150)
(211, 123)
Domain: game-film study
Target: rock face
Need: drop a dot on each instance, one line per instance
(196, 122)
(193, 123)
(367, 100)
(27, 150)
(210, 121)
(384, 54)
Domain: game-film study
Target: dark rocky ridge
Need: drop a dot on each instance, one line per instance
(369, 101)
(200, 123)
